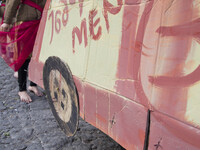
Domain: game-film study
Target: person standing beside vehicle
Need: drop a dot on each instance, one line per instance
(28, 14)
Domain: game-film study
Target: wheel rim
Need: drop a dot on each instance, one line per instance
(62, 94)
(61, 98)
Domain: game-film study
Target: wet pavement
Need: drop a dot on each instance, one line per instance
(33, 127)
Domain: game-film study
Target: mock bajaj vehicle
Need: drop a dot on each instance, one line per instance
(128, 67)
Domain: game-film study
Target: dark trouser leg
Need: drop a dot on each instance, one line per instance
(22, 76)
(32, 84)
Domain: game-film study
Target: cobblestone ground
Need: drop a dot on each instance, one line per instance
(33, 127)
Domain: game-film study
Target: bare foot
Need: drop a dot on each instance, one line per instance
(24, 97)
(35, 90)
(16, 74)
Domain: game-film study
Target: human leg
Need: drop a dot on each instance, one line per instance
(22, 79)
(33, 88)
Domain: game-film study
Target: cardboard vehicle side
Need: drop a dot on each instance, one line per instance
(135, 65)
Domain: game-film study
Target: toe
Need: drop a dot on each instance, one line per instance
(24, 97)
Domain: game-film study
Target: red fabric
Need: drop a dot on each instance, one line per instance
(17, 44)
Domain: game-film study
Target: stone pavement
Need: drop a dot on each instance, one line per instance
(33, 127)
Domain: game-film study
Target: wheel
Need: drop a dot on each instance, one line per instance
(62, 94)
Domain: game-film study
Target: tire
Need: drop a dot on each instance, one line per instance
(62, 94)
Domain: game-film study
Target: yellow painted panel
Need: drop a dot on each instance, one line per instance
(102, 66)
(193, 103)
(58, 36)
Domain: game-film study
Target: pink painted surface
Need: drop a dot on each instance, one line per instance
(157, 42)
(79, 87)
(155, 50)
(122, 119)
(173, 57)
(90, 103)
(131, 50)
(167, 133)
(127, 122)
(102, 110)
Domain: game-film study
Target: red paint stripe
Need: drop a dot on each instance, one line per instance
(40, 35)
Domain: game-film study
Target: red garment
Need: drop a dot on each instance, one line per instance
(17, 44)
